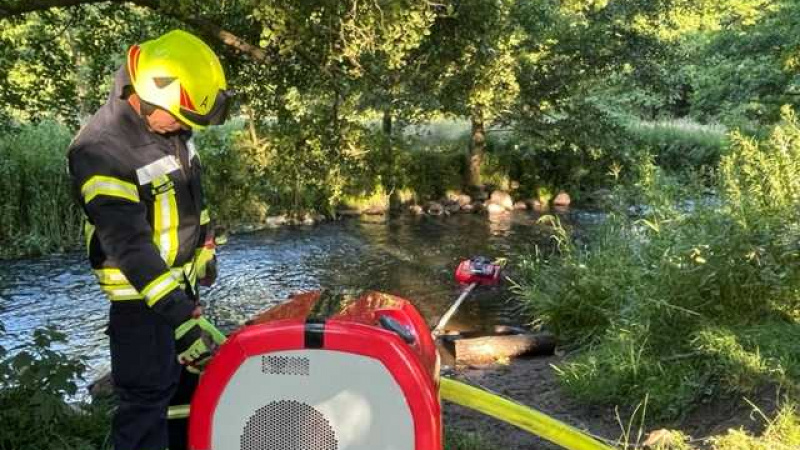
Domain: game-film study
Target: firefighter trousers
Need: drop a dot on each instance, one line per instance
(147, 379)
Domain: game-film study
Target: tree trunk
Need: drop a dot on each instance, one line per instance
(387, 124)
(391, 176)
(81, 93)
(477, 147)
(251, 125)
(487, 350)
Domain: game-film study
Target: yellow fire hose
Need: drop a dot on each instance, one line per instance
(518, 415)
(498, 407)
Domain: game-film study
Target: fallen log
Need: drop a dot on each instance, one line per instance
(490, 349)
(509, 329)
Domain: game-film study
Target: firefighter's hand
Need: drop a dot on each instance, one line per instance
(196, 341)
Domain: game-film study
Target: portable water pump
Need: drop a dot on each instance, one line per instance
(323, 372)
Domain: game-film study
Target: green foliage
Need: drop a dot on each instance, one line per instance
(745, 71)
(688, 300)
(33, 384)
(431, 171)
(566, 153)
(231, 181)
(37, 212)
(251, 174)
(58, 64)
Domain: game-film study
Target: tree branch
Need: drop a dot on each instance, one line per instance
(15, 8)
(208, 28)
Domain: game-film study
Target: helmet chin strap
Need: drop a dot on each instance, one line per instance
(146, 108)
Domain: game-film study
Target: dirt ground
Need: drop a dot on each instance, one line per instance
(533, 382)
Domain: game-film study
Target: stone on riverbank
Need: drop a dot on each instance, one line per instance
(376, 210)
(464, 200)
(562, 199)
(502, 199)
(495, 209)
(452, 207)
(434, 209)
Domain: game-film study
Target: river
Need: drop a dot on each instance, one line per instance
(413, 257)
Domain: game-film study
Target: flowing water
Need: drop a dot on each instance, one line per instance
(413, 257)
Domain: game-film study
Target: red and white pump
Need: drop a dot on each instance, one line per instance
(328, 372)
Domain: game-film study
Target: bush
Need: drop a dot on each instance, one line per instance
(33, 386)
(580, 149)
(690, 299)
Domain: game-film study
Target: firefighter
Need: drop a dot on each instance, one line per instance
(136, 175)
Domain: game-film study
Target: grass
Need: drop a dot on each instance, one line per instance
(781, 432)
(681, 144)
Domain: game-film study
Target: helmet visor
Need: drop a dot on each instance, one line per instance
(218, 113)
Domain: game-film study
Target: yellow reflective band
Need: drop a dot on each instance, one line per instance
(113, 277)
(204, 217)
(201, 258)
(88, 232)
(119, 293)
(109, 186)
(114, 284)
(117, 287)
(190, 274)
(159, 287)
(165, 222)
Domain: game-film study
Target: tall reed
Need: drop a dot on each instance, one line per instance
(37, 212)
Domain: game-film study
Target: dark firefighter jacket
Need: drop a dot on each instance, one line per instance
(146, 220)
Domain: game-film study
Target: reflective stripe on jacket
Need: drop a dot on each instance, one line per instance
(146, 220)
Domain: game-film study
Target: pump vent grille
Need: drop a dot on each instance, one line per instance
(285, 365)
(288, 425)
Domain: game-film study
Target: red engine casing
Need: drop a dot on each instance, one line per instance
(488, 275)
(323, 374)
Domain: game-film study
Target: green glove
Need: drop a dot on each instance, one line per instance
(196, 341)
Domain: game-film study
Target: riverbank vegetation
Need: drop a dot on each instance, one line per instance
(249, 178)
(693, 298)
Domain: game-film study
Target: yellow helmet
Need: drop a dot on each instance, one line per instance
(181, 74)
